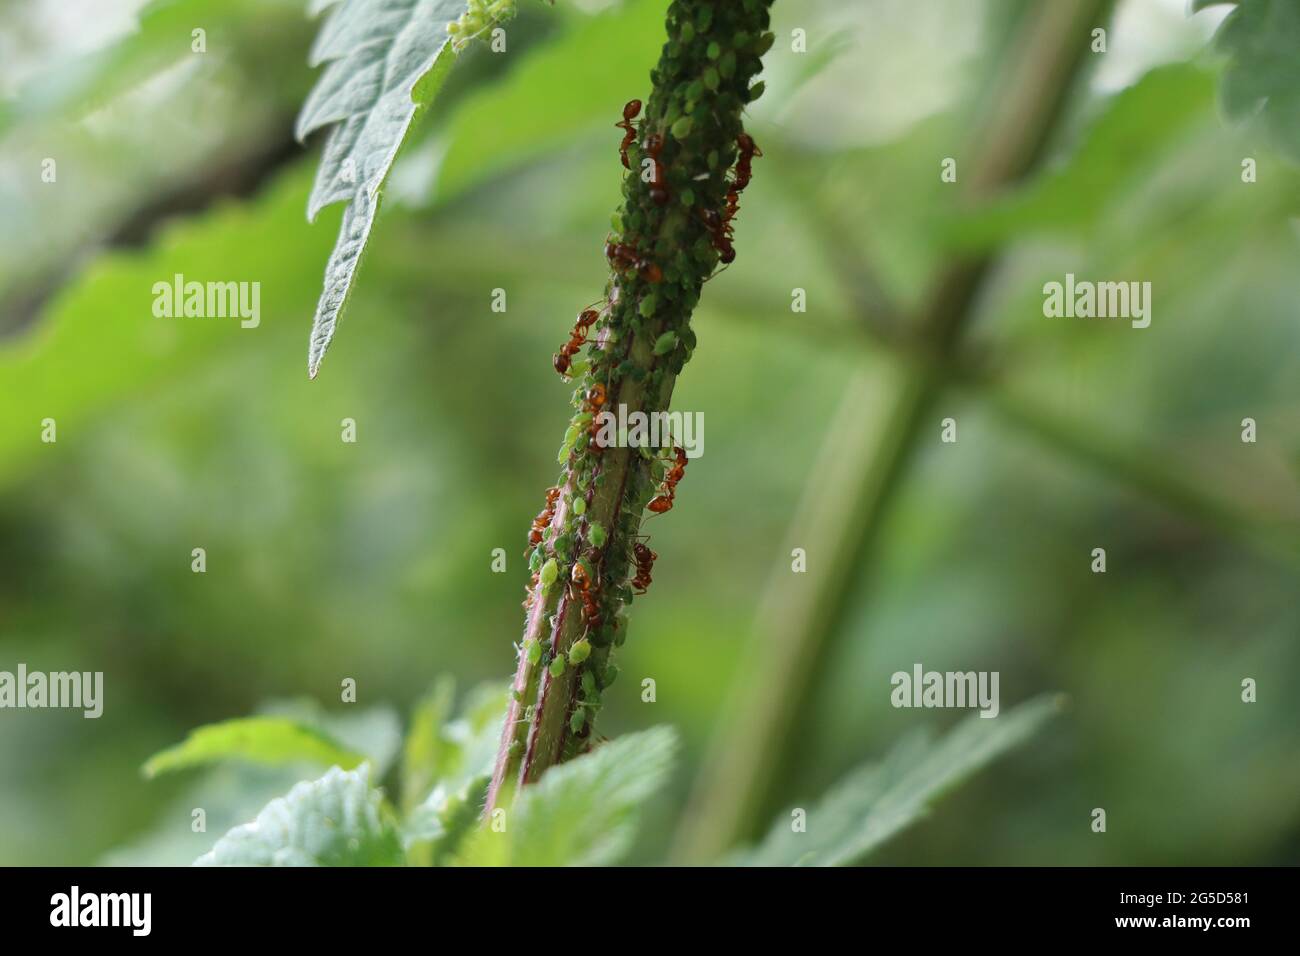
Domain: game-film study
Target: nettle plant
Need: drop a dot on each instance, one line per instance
(519, 776)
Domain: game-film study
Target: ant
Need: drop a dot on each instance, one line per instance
(653, 146)
(720, 232)
(543, 519)
(668, 490)
(583, 583)
(564, 358)
(630, 112)
(746, 150)
(595, 399)
(645, 559)
(623, 256)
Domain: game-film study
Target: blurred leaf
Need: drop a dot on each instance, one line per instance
(338, 820)
(449, 763)
(387, 59)
(422, 753)
(267, 740)
(375, 733)
(1138, 126)
(876, 801)
(581, 813)
(577, 83)
(1262, 40)
(102, 335)
(163, 37)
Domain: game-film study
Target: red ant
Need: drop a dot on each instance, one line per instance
(543, 519)
(720, 233)
(645, 559)
(746, 150)
(653, 146)
(595, 399)
(668, 490)
(583, 583)
(623, 256)
(564, 358)
(630, 112)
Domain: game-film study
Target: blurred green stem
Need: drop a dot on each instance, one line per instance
(756, 750)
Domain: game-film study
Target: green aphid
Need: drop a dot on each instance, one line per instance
(579, 652)
(579, 506)
(557, 666)
(550, 571)
(577, 720)
(596, 534)
(588, 682)
(665, 343)
(533, 651)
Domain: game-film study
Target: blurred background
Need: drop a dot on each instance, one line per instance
(372, 560)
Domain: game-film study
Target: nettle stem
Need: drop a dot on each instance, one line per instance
(665, 246)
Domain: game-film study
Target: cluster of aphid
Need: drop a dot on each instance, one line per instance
(584, 551)
(479, 16)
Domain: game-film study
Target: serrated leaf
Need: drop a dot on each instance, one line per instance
(1262, 40)
(581, 813)
(386, 60)
(264, 740)
(338, 820)
(877, 801)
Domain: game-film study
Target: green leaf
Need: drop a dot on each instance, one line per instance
(265, 740)
(387, 59)
(1138, 127)
(877, 801)
(581, 813)
(338, 820)
(1262, 41)
(423, 752)
(553, 96)
(448, 764)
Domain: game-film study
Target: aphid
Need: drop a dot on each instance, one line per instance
(645, 559)
(630, 112)
(543, 519)
(563, 359)
(668, 489)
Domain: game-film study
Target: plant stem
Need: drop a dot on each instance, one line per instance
(662, 254)
(758, 744)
